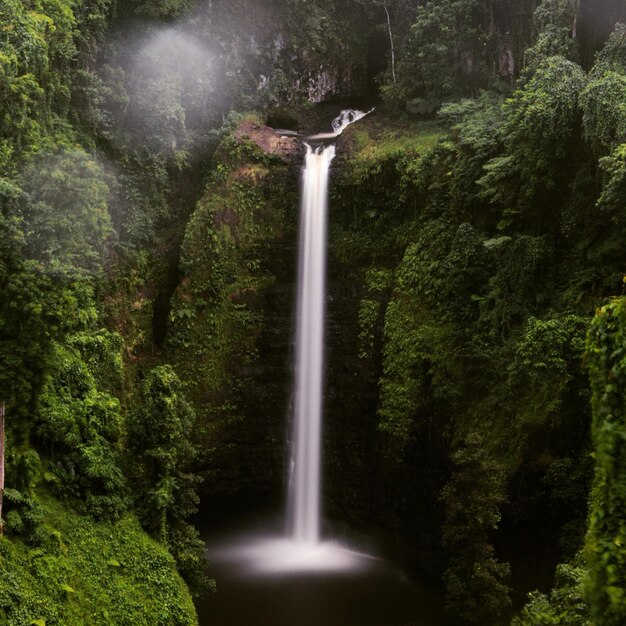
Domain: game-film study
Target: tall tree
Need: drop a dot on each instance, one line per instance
(475, 580)
(606, 537)
(159, 436)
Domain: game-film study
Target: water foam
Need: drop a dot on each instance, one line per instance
(280, 555)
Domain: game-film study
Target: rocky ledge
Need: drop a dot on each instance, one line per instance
(271, 141)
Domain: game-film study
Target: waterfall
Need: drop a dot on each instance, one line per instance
(305, 467)
(301, 548)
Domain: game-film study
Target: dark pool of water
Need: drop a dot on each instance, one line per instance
(367, 592)
(316, 599)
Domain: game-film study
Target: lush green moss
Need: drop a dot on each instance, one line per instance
(232, 258)
(90, 573)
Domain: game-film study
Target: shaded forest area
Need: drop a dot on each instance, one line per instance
(476, 385)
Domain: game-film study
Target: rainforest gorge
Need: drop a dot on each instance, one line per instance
(475, 379)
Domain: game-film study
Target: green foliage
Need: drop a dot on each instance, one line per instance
(101, 352)
(38, 308)
(482, 331)
(604, 110)
(66, 219)
(612, 57)
(159, 435)
(417, 366)
(547, 368)
(36, 49)
(604, 106)
(25, 517)
(541, 121)
(514, 290)
(475, 580)
(441, 51)
(489, 247)
(613, 172)
(606, 537)
(543, 113)
(234, 242)
(565, 605)
(556, 22)
(421, 352)
(81, 426)
(159, 440)
(90, 573)
(477, 121)
(378, 283)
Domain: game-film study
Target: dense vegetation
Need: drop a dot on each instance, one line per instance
(475, 395)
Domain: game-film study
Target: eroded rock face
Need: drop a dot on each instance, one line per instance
(284, 53)
(321, 85)
(269, 140)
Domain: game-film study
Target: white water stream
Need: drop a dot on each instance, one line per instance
(301, 548)
(303, 504)
(306, 458)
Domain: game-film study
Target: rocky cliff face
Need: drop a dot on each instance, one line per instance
(230, 322)
(279, 53)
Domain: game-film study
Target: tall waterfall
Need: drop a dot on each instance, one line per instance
(301, 548)
(305, 468)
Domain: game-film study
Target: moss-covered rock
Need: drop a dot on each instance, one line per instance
(230, 321)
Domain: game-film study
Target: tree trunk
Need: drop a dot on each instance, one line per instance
(492, 20)
(393, 51)
(2, 411)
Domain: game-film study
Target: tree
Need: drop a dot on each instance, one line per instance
(79, 423)
(159, 433)
(556, 21)
(565, 605)
(540, 130)
(53, 233)
(606, 535)
(159, 439)
(604, 110)
(37, 308)
(604, 98)
(444, 52)
(475, 580)
(36, 51)
(66, 219)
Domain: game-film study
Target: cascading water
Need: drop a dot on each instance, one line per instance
(303, 503)
(347, 117)
(341, 122)
(301, 549)
(305, 466)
